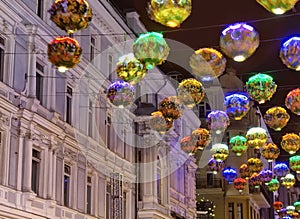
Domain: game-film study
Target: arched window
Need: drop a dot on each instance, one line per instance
(158, 180)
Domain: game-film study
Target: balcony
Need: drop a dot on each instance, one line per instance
(208, 184)
(260, 196)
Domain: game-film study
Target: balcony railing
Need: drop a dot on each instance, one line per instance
(208, 184)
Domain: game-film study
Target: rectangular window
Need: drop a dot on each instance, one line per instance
(231, 210)
(40, 8)
(36, 159)
(89, 195)
(108, 133)
(210, 179)
(124, 206)
(69, 105)
(67, 174)
(110, 67)
(240, 210)
(2, 51)
(90, 121)
(108, 201)
(125, 143)
(93, 48)
(39, 82)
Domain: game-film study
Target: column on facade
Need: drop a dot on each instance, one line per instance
(74, 181)
(54, 152)
(28, 162)
(10, 59)
(45, 174)
(20, 157)
(31, 72)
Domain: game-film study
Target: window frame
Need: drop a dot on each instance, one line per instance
(39, 10)
(90, 119)
(89, 189)
(2, 58)
(66, 191)
(39, 87)
(68, 105)
(36, 177)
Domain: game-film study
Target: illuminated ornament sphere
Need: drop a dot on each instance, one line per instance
(273, 186)
(229, 174)
(238, 145)
(255, 165)
(64, 53)
(237, 105)
(120, 93)
(290, 53)
(190, 92)
(159, 123)
(256, 137)
(239, 41)
(218, 121)
(240, 184)
(290, 209)
(170, 13)
(215, 166)
(278, 6)
(281, 170)
(187, 145)
(297, 206)
(207, 64)
(220, 152)
(276, 118)
(295, 163)
(130, 69)
(71, 15)
(255, 180)
(261, 87)
(171, 108)
(282, 213)
(151, 49)
(288, 181)
(266, 175)
(244, 171)
(277, 205)
(292, 101)
(290, 143)
(201, 137)
(295, 215)
(270, 152)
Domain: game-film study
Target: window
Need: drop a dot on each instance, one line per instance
(39, 82)
(2, 52)
(210, 179)
(231, 210)
(108, 133)
(204, 109)
(36, 159)
(69, 105)
(158, 180)
(92, 48)
(90, 120)
(124, 206)
(67, 176)
(40, 8)
(108, 201)
(125, 143)
(89, 195)
(110, 67)
(240, 210)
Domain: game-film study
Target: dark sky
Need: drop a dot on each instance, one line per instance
(209, 18)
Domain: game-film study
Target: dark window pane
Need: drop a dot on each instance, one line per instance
(35, 177)
(66, 190)
(88, 199)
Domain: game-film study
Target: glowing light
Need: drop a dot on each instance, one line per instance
(292, 101)
(239, 41)
(276, 118)
(151, 49)
(218, 121)
(64, 14)
(261, 87)
(220, 152)
(207, 64)
(277, 6)
(64, 53)
(290, 143)
(229, 174)
(169, 13)
(237, 105)
(290, 53)
(120, 93)
(256, 137)
(190, 92)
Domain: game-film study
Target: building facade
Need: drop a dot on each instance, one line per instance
(66, 152)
